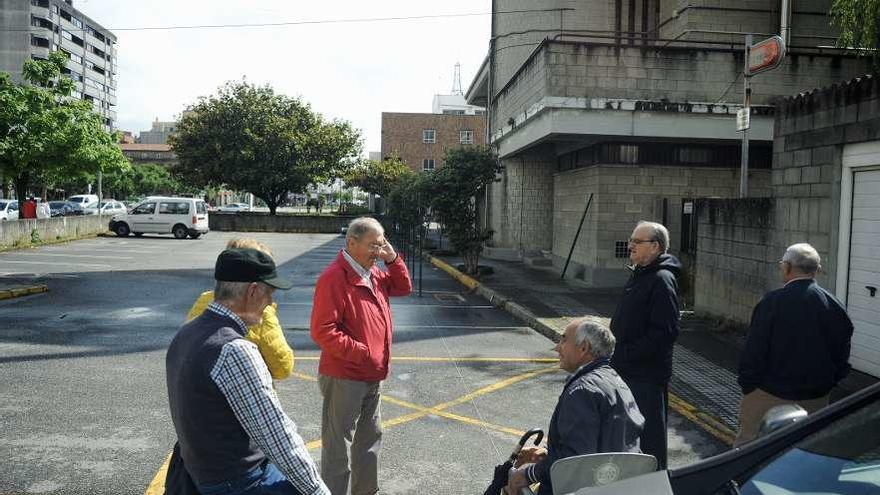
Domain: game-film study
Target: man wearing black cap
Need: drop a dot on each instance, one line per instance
(234, 437)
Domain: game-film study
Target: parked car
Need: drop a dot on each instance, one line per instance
(234, 207)
(108, 207)
(163, 215)
(833, 451)
(76, 209)
(8, 209)
(60, 208)
(83, 199)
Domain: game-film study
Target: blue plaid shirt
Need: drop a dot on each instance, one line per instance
(243, 378)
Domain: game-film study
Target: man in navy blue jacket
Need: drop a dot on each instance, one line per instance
(596, 411)
(797, 347)
(646, 327)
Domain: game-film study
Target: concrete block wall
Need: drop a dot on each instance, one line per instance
(810, 133)
(624, 195)
(736, 260)
(256, 222)
(690, 19)
(528, 210)
(519, 33)
(685, 75)
(22, 232)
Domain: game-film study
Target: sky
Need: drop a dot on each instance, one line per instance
(351, 71)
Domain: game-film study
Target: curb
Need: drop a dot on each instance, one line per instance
(499, 301)
(25, 290)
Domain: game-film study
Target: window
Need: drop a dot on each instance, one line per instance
(40, 22)
(453, 112)
(72, 56)
(40, 3)
(76, 22)
(64, 15)
(201, 209)
(621, 249)
(174, 208)
(479, 112)
(428, 164)
(429, 136)
(97, 69)
(39, 41)
(466, 136)
(76, 76)
(144, 209)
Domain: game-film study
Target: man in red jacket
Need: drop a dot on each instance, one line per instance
(351, 323)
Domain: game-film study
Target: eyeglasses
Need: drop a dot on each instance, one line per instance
(640, 241)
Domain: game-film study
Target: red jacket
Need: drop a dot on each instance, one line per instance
(351, 323)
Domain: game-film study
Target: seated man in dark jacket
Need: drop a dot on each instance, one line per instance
(595, 413)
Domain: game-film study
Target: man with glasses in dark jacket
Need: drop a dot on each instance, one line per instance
(646, 326)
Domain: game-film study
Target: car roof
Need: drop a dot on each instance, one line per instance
(175, 198)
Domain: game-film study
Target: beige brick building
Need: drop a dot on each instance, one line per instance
(421, 139)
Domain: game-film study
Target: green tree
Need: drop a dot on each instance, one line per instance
(251, 139)
(453, 190)
(859, 24)
(378, 177)
(46, 134)
(144, 180)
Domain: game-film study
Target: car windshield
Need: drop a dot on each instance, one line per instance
(842, 458)
(3, 204)
(57, 204)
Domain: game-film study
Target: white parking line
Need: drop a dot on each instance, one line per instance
(90, 265)
(31, 254)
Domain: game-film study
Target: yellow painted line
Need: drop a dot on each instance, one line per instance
(456, 417)
(157, 486)
(22, 291)
(428, 359)
(468, 282)
(707, 422)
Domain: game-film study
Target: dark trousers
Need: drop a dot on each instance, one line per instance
(653, 403)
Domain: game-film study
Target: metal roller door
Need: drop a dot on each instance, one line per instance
(863, 290)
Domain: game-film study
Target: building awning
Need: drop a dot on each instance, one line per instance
(478, 92)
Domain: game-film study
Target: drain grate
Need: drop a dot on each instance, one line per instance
(449, 297)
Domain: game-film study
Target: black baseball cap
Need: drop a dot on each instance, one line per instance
(248, 265)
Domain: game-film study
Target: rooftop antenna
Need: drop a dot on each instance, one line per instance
(456, 80)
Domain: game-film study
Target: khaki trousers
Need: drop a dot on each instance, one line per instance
(351, 435)
(757, 402)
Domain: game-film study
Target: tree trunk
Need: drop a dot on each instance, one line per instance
(21, 185)
(272, 206)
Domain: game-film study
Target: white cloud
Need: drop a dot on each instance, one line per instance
(353, 71)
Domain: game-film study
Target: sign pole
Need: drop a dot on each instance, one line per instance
(747, 104)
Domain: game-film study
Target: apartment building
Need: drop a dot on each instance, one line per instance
(159, 133)
(421, 139)
(34, 28)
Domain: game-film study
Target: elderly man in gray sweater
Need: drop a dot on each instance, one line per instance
(596, 411)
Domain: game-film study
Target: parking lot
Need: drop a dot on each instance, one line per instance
(83, 400)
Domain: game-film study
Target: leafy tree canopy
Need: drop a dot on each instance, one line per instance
(378, 177)
(250, 138)
(859, 24)
(454, 189)
(48, 135)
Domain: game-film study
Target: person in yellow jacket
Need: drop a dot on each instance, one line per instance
(267, 334)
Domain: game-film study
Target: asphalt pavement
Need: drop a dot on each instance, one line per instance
(83, 402)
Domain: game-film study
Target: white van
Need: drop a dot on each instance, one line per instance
(163, 215)
(83, 199)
